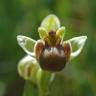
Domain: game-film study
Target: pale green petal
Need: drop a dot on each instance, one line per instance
(60, 32)
(77, 44)
(28, 67)
(26, 43)
(42, 32)
(51, 22)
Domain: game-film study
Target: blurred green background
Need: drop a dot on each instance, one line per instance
(24, 17)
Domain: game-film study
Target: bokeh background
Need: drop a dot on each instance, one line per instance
(24, 17)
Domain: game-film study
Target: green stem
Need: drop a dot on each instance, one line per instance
(44, 82)
(30, 89)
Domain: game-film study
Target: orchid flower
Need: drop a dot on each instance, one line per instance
(51, 52)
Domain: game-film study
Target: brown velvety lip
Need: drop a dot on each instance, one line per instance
(52, 59)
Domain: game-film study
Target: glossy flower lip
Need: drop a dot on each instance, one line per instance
(53, 59)
(51, 52)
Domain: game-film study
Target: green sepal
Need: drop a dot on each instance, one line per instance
(27, 44)
(77, 44)
(51, 22)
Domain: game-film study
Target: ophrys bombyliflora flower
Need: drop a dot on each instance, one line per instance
(51, 52)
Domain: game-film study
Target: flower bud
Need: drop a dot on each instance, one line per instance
(27, 68)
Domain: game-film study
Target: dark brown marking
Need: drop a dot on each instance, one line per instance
(52, 33)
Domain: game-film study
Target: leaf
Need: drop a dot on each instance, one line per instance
(51, 22)
(77, 44)
(27, 44)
